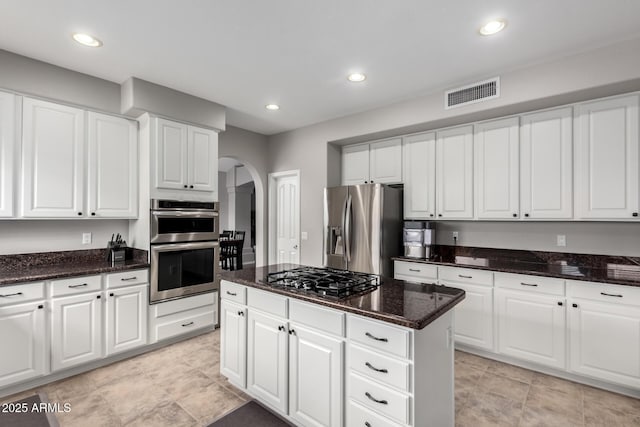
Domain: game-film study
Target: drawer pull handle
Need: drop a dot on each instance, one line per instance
(233, 294)
(376, 338)
(611, 295)
(187, 324)
(126, 279)
(366, 424)
(528, 284)
(11, 295)
(79, 286)
(370, 366)
(465, 277)
(415, 270)
(382, 402)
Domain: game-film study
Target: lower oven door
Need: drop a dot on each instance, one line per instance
(183, 269)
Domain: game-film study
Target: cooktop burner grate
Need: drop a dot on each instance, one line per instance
(324, 281)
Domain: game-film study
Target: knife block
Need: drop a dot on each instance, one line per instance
(116, 254)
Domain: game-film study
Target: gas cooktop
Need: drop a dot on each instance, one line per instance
(324, 281)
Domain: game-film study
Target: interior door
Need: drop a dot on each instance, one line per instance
(287, 199)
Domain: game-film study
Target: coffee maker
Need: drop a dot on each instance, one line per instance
(418, 238)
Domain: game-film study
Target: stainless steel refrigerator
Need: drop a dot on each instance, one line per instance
(362, 227)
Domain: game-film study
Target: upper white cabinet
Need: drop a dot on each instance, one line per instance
(419, 171)
(52, 160)
(497, 167)
(202, 155)
(378, 162)
(171, 164)
(454, 158)
(7, 152)
(546, 165)
(606, 158)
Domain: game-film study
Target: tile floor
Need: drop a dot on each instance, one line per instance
(180, 385)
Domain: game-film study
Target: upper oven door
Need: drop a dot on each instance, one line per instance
(181, 226)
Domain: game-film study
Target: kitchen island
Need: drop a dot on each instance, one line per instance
(380, 357)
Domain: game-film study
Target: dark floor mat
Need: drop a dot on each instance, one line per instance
(250, 414)
(21, 413)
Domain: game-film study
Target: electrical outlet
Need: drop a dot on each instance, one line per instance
(86, 238)
(561, 240)
(304, 235)
(456, 236)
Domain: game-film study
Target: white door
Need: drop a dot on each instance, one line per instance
(604, 341)
(286, 217)
(546, 190)
(531, 327)
(315, 382)
(267, 359)
(419, 171)
(606, 158)
(474, 316)
(497, 165)
(112, 167)
(52, 160)
(171, 155)
(76, 330)
(23, 336)
(233, 343)
(355, 164)
(7, 152)
(126, 325)
(385, 162)
(454, 169)
(203, 160)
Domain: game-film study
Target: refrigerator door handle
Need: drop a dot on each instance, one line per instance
(347, 229)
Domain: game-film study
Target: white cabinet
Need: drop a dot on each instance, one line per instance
(113, 166)
(454, 173)
(186, 157)
(419, 169)
(546, 190)
(126, 318)
(7, 153)
(606, 158)
(377, 162)
(233, 342)
(52, 160)
(23, 337)
(497, 167)
(315, 377)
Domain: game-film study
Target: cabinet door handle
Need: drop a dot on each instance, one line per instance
(382, 402)
(126, 279)
(281, 328)
(11, 295)
(366, 424)
(292, 331)
(560, 303)
(370, 366)
(528, 284)
(611, 295)
(415, 270)
(187, 324)
(233, 294)
(376, 338)
(515, 215)
(79, 286)
(526, 215)
(99, 296)
(241, 313)
(111, 294)
(41, 306)
(574, 305)
(465, 277)
(185, 186)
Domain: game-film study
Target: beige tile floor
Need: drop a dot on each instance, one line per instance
(180, 385)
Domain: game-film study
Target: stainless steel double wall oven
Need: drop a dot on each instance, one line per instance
(184, 249)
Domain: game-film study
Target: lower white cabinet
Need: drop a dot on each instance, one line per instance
(126, 318)
(233, 342)
(181, 316)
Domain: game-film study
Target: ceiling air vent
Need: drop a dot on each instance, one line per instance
(470, 94)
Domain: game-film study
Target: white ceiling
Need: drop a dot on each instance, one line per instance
(297, 53)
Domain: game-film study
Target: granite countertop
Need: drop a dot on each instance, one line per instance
(621, 270)
(395, 301)
(24, 268)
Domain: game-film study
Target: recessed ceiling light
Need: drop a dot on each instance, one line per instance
(87, 40)
(493, 27)
(356, 77)
(272, 107)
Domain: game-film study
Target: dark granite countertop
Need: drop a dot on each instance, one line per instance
(402, 303)
(621, 270)
(24, 268)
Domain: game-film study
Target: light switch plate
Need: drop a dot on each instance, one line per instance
(86, 238)
(561, 240)
(304, 235)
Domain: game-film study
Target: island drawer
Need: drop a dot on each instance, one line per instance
(394, 372)
(268, 302)
(233, 292)
(16, 294)
(382, 399)
(603, 292)
(466, 275)
(127, 278)
(175, 325)
(379, 336)
(524, 282)
(75, 285)
(360, 416)
(415, 271)
(324, 319)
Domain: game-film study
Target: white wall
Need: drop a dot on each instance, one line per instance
(543, 85)
(243, 212)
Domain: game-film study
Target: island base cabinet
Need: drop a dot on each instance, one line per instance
(126, 318)
(315, 382)
(233, 342)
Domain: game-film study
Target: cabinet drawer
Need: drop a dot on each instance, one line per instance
(384, 369)
(233, 292)
(372, 395)
(184, 324)
(604, 292)
(183, 304)
(16, 294)
(466, 275)
(379, 336)
(317, 317)
(524, 282)
(360, 416)
(267, 302)
(75, 285)
(415, 271)
(127, 278)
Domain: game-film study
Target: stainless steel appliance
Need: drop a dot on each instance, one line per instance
(418, 238)
(362, 226)
(185, 250)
